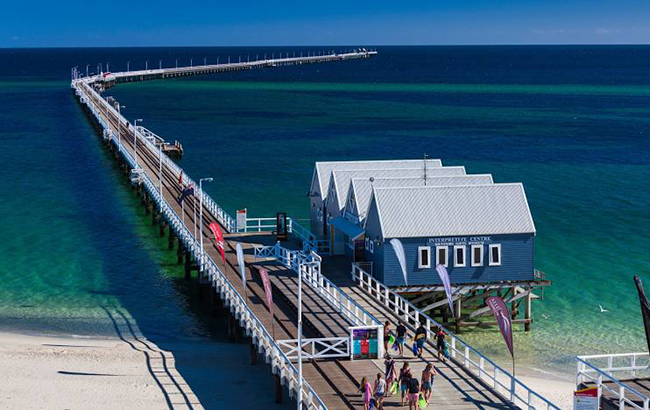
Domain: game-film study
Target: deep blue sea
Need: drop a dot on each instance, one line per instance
(570, 122)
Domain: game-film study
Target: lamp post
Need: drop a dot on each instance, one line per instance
(128, 66)
(160, 169)
(146, 65)
(201, 216)
(300, 337)
(177, 63)
(160, 64)
(205, 61)
(108, 67)
(135, 140)
(192, 62)
(87, 65)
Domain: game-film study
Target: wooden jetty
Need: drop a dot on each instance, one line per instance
(335, 300)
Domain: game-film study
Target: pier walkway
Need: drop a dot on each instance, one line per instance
(335, 300)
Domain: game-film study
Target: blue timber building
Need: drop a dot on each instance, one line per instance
(480, 233)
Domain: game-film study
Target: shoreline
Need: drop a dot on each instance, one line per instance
(110, 372)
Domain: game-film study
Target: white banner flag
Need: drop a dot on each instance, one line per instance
(242, 264)
(444, 277)
(401, 257)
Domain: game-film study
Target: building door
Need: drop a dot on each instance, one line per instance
(359, 250)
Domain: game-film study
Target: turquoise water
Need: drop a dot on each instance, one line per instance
(570, 123)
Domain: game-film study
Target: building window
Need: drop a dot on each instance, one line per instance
(441, 255)
(477, 255)
(372, 246)
(424, 257)
(495, 255)
(366, 243)
(459, 256)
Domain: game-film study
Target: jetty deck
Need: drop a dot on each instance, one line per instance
(334, 298)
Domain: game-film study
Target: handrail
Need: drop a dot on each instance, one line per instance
(321, 348)
(517, 392)
(309, 264)
(585, 368)
(279, 361)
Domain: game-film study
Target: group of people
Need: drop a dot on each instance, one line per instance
(414, 391)
(419, 339)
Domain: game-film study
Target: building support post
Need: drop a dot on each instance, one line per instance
(529, 299)
(179, 252)
(253, 353)
(170, 239)
(457, 313)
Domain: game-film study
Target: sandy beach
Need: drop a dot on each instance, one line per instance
(40, 372)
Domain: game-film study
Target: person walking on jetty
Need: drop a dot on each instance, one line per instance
(380, 391)
(391, 374)
(387, 336)
(413, 393)
(366, 393)
(404, 377)
(428, 375)
(441, 344)
(420, 338)
(401, 336)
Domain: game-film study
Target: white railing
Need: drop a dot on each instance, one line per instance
(280, 363)
(464, 355)
(309, 265)
(604, 372)
(319, 348)
(261, 224)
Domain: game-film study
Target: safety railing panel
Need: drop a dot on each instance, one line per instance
(317, 348)
(501, 381)
(308, 265)
(606, 371)
(280, 363)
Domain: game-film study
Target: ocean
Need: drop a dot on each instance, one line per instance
(570, 122)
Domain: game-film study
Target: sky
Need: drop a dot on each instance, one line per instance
(47, 23)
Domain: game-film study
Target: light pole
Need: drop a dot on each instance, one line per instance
(108, 67)
(160, 169)
(177, 63)
(146, 65)
(217, 60)
(300, 337)
(201, 216)
(205, 61)
(192, 62)
(135, 140)
(87, 65)
(128, 66)
(160, 64)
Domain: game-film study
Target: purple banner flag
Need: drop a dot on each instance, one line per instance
(502, 315)
(444, 277)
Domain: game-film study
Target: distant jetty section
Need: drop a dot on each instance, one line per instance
(320, 328)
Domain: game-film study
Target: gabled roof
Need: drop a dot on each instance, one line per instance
(340, 179)
(361, 188)
(453, 211)
(323, 170)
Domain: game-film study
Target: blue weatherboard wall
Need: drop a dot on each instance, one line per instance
(517, 262)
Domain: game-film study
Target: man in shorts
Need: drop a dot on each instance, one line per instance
(401, 336)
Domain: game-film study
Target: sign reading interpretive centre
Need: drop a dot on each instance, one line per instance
(460, 240)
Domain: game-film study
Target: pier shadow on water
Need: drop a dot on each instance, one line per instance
(155, 310)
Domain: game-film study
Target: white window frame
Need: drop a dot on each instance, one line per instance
(456, 249)
(371, 247)
(480, 262)
(493, 246)
(366, 243)
(446, 262)
(421, 264)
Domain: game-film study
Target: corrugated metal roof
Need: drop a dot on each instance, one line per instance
(324, 169)
(453, 211)
(341, 178)
(361, 188)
